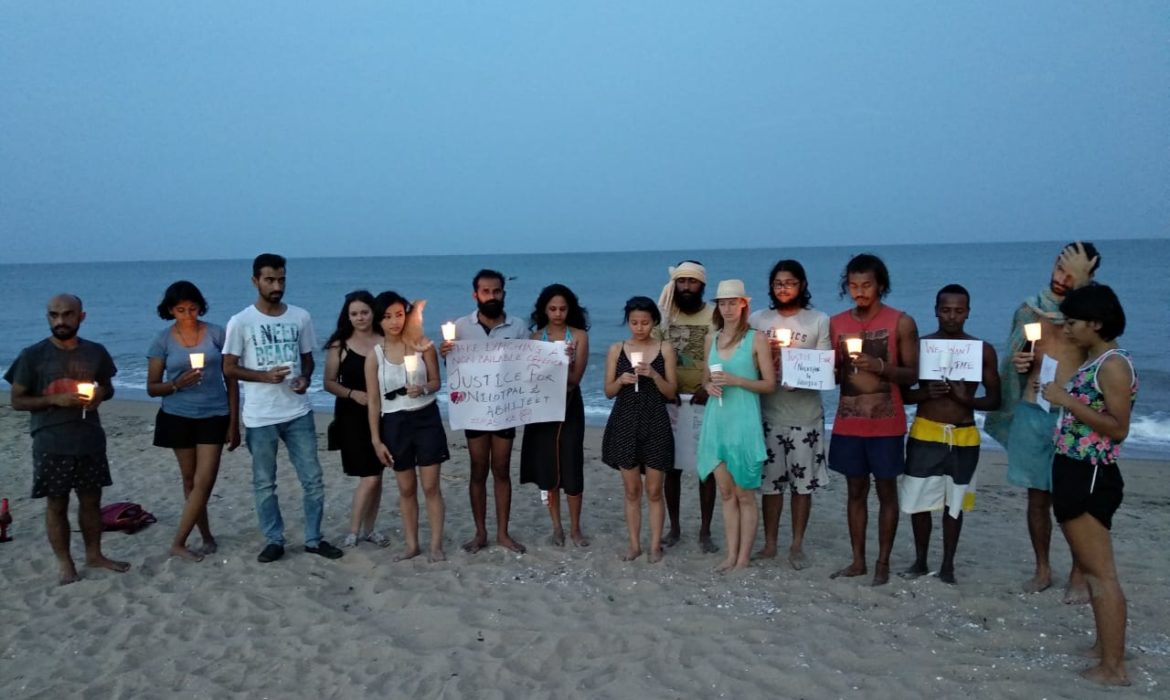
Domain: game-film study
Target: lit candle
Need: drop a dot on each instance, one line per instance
(853, 346)
(410, 362)
(783, 336)
(448, 330)
(635, 359)
(1032, 334)
(717, 368)
(944, 362)
(196, 360)
(85, 389)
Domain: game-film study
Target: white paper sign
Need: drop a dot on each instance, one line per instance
(687, 422)
(1047, 376)
(965, 359)
(802, 368)
(497, 384)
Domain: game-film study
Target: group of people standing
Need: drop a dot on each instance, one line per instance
(696, 387)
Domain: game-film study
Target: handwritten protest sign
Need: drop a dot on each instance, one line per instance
(497, 384)
(801, 368)
(687, 422)
(1047, 375)
(956, 360)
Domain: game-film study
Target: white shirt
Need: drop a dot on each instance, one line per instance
(810, 330)
(262, 342)
(392, 377)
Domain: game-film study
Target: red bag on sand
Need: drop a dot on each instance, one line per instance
(125, 516)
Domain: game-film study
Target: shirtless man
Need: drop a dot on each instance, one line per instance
(943, 448)
(1024, 428)
(68, 443)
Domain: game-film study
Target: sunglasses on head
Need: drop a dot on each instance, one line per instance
(391, 395)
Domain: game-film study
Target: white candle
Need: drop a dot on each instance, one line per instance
(1032, 334)
(448, 330)
(853, 346)
(717, 368)
(410, 362)
(944, 362)
(85, 389)
(196, 360)
(635, 360)
(783, 336)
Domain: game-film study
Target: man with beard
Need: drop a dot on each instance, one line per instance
(1024, 428)
(794, 419)
(68, 442)
(943, 448)
(489, 450)
(269, 350)
(686, 320)
(870, 423)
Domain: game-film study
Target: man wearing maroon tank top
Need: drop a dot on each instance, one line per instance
(870, 424)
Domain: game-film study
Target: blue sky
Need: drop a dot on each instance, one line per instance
(147, 130)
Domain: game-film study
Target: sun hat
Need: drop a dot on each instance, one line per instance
(731, 289)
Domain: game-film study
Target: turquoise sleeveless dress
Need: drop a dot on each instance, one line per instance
(733, 433)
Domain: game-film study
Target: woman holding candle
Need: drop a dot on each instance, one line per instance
(553, 454)
(345, 377)
(200, 409)
(731, 444)
(638, 439)
(1087, 486)
(405, 427)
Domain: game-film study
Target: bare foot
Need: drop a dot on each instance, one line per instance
(68, 574)
(741, 565)
(916, 570)
(850, 571)
(632, 553)
(707, 545)
(947, 576)
(1077, 594)
(796, 558)
(1106, 676)
(436, 555)
(725, 565)
(1039, 582)
(558, 537)
(209, 546)
(671, 538)
(475, 544)
(881, 574)
(184, 553)
(580, 539)
(768, 551)
(656, 555)
(507, 542)
(408, 553)
(106, 563)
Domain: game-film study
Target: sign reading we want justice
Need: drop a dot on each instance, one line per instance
(497, 384)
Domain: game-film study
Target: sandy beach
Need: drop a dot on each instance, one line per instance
(555, 622)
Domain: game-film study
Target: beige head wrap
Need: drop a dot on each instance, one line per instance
(666, 299)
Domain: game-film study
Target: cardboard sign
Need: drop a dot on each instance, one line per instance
(801, 368)
(497, 384)
(954, 360)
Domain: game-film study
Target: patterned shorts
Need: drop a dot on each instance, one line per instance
(796, 459)
(56, 475)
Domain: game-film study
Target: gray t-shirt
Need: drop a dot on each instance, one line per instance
(46, 369)
(810, 329)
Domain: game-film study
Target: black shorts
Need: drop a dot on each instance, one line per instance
(56, 475)
(506, 433)
(415, 438)
(1075, 490)
(178, 432)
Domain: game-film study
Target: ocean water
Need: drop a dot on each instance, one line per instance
(120, 298)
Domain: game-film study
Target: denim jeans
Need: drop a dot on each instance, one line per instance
(300, 438)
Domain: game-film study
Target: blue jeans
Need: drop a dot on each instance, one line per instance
(300, 438)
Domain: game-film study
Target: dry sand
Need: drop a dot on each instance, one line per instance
(556, 622)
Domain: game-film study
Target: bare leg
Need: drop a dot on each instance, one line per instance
(89, 515)
(749, 518)
(479, 451)
(367, 492)
(373, 503)
(801, 506)
(632, 483)
(554, 511)
(57, 526)
(858, 513)
(654, 481)
(502, 478)
(707, 491)
(204, 464)
(672, 487)
(1093, 550)
(1040, 531)
(408, 507)
(730, 515)
(436, 510)
(773, 507)
(921, 524)
(952, 528)
(1077, 592)
(887, 491)
(575, 532)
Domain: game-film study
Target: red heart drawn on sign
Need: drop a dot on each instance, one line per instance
(457, 396)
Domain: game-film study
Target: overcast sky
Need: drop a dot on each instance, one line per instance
(164, 130)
